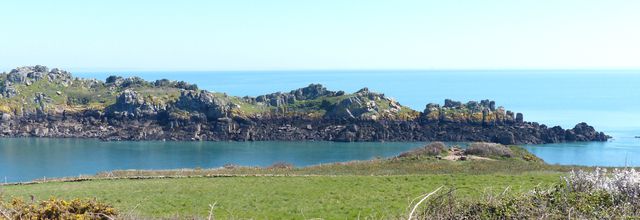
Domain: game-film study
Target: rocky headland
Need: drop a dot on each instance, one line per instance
(37, 101)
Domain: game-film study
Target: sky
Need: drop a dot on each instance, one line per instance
(320, 34)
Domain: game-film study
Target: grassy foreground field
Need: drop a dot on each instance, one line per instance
(294, 197)
(376, 189)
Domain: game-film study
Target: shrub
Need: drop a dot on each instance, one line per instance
(56, 209)
(80, 97)
(488, 150)
(623, 184)
(582, 195)
(187, 86)
(113, 79)
(431, 149)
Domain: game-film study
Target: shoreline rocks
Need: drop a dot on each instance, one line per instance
(88, 125)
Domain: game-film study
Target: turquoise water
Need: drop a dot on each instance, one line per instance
(622, 150)
(609, 100)
(23, 159)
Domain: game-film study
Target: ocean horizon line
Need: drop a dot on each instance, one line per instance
(287, 70)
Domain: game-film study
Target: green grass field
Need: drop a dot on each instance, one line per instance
(293, 197)
(374, 189)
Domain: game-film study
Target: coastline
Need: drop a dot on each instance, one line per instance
(59, 105)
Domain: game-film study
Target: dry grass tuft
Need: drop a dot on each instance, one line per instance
(491, 150)
(281, 165)
(431, 149)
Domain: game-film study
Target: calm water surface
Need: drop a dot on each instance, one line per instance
(622, 150)
(608, 100)
(23, 159)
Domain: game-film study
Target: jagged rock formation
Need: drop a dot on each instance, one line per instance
(310, 92)
(213, 107)
(39, 102)
(483, 112)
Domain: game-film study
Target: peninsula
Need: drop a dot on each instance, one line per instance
(36, 101)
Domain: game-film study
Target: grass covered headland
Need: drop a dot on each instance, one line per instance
(36, 101)
(488, 181)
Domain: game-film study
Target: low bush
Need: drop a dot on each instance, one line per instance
(56, 209)
(622, 184)
(582, 195)
(488, 150)
(431, 149)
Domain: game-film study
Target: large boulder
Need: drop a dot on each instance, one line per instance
(131, 104)
(279, 99)
(448, 103)
(585, 132)
(505, 138)
(26, 74)
(4, 117)
(432, 112)
(213, 105)
(365, 105)
(311, 92)
(350, 108)
(519, 118)
(29, 74)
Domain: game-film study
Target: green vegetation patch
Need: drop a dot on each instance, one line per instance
(292, 197)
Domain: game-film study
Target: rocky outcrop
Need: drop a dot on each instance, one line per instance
(365, 105)
(310, 92)
(212, 106)
(238, 129)
(129, 104)
(478, 113)
(134, 109)
(29, 75)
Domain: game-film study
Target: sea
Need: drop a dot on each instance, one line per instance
(609, 100)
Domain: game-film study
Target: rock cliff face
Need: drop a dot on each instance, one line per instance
(36, 101)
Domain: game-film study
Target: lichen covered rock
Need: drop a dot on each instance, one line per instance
(473, 112)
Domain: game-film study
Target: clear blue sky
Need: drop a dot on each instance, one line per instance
(322, 34)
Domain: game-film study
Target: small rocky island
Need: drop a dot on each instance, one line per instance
(38, 102)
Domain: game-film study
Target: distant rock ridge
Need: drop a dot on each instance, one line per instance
(483, 112)
(36, 101)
